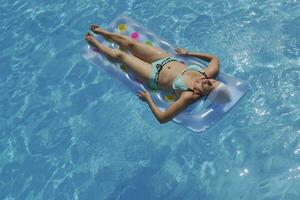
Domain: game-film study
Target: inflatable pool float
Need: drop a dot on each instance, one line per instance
(198, 116)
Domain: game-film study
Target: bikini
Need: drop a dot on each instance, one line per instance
(157, 66)
(178, 83)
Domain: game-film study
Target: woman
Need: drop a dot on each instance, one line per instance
(156, 67)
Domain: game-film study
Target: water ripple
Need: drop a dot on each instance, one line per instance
(68, 131)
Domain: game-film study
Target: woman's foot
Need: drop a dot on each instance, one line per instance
(96, 29)
(91, 39)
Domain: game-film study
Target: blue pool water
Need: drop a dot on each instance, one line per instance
(67, 130)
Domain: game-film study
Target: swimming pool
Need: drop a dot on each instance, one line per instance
(69, 131)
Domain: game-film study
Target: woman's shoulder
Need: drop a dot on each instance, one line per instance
(213, 68)
(211, 73)
(189, 97)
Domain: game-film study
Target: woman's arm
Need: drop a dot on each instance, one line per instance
(170, 112)
(213, 66)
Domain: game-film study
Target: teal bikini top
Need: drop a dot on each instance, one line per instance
(179, 84)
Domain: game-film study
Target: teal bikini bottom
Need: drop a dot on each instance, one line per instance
(157, 66)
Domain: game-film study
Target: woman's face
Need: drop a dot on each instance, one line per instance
(204, 86)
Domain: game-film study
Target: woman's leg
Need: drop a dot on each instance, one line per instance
(140, 68)
(142, 51)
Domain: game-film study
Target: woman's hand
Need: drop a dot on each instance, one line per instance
(181, 52)
(143, 95)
